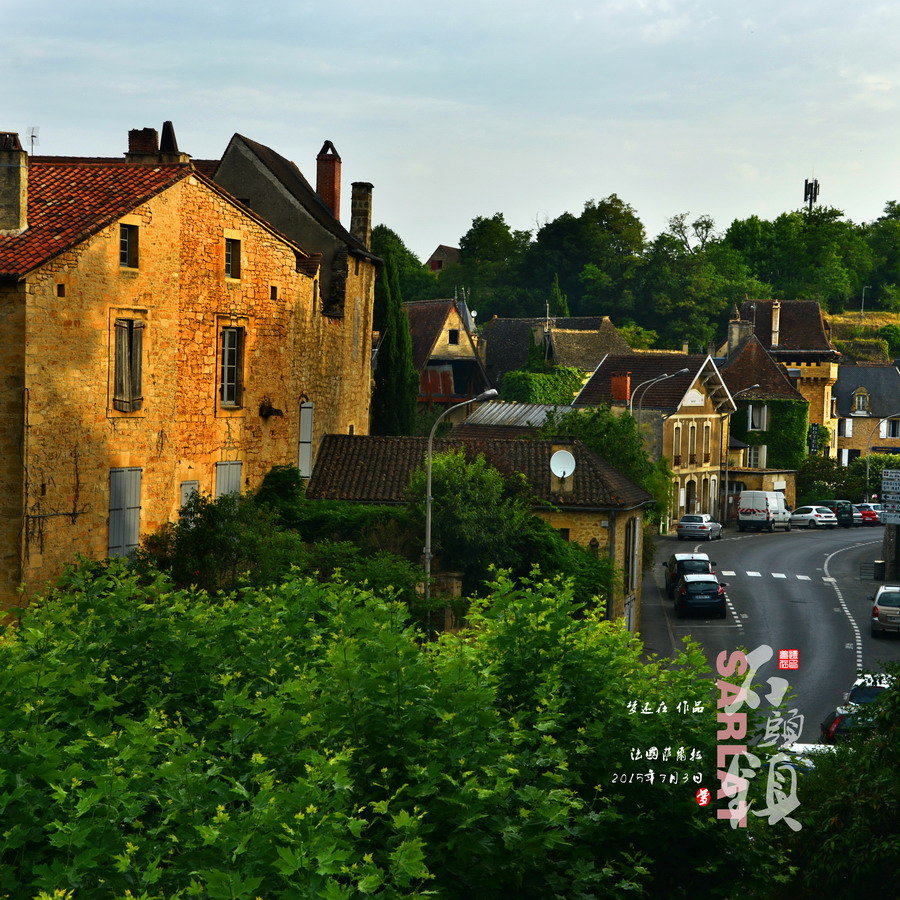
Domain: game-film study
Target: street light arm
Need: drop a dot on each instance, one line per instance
(875, 427)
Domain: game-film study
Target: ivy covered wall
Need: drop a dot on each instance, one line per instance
(784, 436)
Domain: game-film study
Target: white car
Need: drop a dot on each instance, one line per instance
(886, 610)
(813, 517)
(867, 687)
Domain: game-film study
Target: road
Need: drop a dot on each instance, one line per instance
(799, 590)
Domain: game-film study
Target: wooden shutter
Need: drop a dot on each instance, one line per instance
(848, 427)
(136, 354)
(121, 377)
(124, 510)
(188, 489)
(228, 477)
(304, 445)
(882, 429)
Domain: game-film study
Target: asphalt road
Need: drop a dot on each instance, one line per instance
(799, 590)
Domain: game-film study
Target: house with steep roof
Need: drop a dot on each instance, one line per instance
(579, 341)
(442, 257)
(681, 404)
(868, 407)
(159, 338)
(768, 432)
(595, 505)
(797, 335)
(444, 352)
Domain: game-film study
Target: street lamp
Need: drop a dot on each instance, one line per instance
(869, 445)
(752, 387)
(650, 385)
(862, 306)
(426, 553)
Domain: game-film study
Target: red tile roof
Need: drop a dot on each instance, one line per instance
(801, 326)
(426, 321)
(751, 364)
(71, 199)
(378, 469)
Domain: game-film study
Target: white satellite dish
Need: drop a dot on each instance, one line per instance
(562, 463)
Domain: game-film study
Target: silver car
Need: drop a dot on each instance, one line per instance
(699, 526)
(813, 517)
(886, 610)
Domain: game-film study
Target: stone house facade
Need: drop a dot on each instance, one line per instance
(159, 338)
(868, 407)
(596, 505)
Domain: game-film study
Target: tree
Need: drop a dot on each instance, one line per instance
(559, 303)
(416, 281)
(396, 380)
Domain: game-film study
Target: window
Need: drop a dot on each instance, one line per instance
(128, 246)
(128, 346)
(453, 336)
(845, 427)
(632, 555)
(757, 417)
(228, 477)
(893, 428)
(124, 510)
(304, 443)
(860, 403)
(230, 370)
(756, 457)
(232, 258)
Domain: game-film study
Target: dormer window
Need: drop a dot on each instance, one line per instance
(860, 402)
(453, 336)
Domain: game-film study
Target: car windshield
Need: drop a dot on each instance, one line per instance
(691, 519)
(701, 587)
(865, 693)
(889, 598)
(691, 566)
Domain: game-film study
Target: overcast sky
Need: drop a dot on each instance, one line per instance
(461, 109)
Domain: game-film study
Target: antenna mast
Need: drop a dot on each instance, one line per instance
(810, 192)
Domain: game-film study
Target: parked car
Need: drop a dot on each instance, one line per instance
(871, 513)
(685, 564)
(844, 722)
(699, 526)
(763, 511)
(842, 509)
(885, 610)
(700, 593)
(813, 517)
(857, 518)
(868, 687)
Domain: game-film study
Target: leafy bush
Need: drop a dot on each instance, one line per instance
(559, 384)
(297, 741)
(891, 335)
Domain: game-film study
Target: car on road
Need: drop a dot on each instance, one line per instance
(685, 564)
(699, 526)
(842, 509)
(870, 515)
(858, 521)
(885, 610)
(843, 723)
(702, 594)
(868, 687)
(813, 517)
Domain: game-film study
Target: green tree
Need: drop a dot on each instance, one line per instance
(416, 281)
(559, 303)
(396, 380)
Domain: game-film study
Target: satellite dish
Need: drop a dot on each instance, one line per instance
(562, 463)
(473, 313)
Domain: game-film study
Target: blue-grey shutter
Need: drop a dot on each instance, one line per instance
(188, 489)
(304, 445)
(228, 477)
(124, 510)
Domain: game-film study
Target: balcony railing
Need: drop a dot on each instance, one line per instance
(693, 459)
(677, 459)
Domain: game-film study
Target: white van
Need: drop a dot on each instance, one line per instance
(763, 511)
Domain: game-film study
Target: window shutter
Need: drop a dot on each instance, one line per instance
(304, 444)
(763, 418)
(228, 477)
(124, 510)
(762, 456)
(239, 367)
(121, 384)
(882, 429)
(848, 427)
(188, 489)
(136, 357)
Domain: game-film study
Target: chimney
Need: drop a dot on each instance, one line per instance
(738, 332)
(361, 212)
(776, 321)
(328, 178)
(620, 382)
(13, 184)
(562, 485)
(168, 146)
(143, 146)
(685, 348)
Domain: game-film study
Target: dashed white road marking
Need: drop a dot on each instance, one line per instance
(804, 577)
(728, 573)
(754, 574)
(778, 575)
(856, 638)
(832, 580)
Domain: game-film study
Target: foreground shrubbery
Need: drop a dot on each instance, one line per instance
(298, 741)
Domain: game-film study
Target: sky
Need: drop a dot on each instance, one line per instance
(465, 109)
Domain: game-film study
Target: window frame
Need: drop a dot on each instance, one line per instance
(453, 337)
(229, 473)
(128, 352)
(129, 252)
(762, 418)
(124, 522)
(233, 258)
(759, 451)
(305, 432)
(231, 372)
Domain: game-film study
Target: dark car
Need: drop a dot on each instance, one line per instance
(700, 594)
(843, 510)
(686, 564)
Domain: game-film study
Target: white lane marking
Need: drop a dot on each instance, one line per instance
(833, 580)
(754, 575)
(803, 577)
(733, 612)
(728, 573)
(778, 575)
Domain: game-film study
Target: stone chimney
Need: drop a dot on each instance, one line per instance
(145, 148)
(776, 322)
(361, 212)
(620, 383)
(738, 332)
(328, 178)
(13, 184)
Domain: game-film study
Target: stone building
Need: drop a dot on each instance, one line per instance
(159, 337)
(596, 505)
(868, 406)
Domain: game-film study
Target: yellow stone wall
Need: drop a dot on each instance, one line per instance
(73, 437)
(815, 383)
(444, 349)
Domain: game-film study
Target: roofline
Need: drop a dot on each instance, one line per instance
(708, 362)
(578, 395)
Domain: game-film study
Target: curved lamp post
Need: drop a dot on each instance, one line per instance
(426, 554)
(752, 387)
(653, 381)
(869, 446)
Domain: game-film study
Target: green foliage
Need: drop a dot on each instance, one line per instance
(298, 741)
(638, 338)
(824, 478)
(559, 303)
(877, 463)
(891, 335)
(417, 282)
(850, 799)
(786, 436)
(396, 380)
(615, 438)
(556, 384)
(866, 350)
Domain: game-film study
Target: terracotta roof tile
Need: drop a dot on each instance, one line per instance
(426, 321)
(70, 199)
(751, 364)
(378, 469)
(801, 325)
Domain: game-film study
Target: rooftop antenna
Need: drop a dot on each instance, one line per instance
(810, 192)
(33, 136)
(562, 464)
